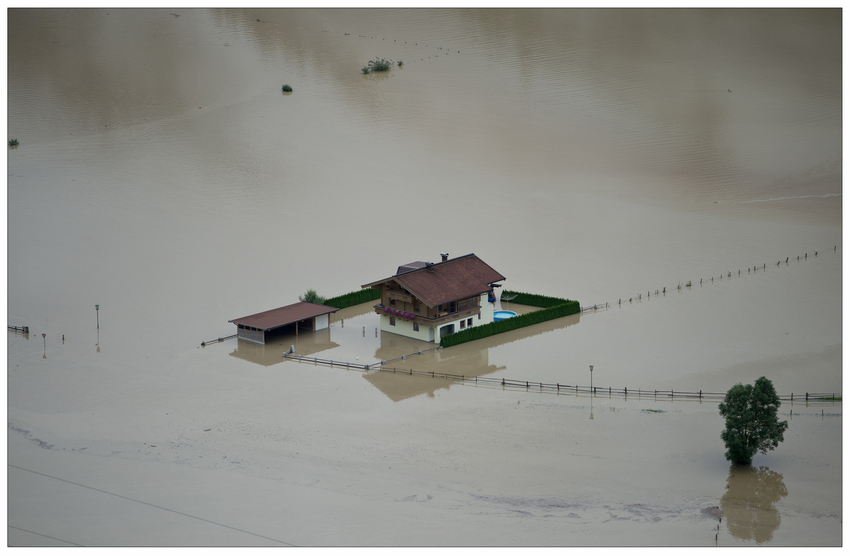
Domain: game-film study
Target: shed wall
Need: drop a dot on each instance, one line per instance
(256, 336)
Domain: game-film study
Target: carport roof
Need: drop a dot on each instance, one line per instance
(275, 318)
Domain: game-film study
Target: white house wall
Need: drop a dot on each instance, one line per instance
(487, 309)
(405, 327)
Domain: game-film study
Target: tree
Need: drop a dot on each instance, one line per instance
(312, 297)
(751, 420)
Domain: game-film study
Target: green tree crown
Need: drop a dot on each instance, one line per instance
(312, 297)
(752, 424)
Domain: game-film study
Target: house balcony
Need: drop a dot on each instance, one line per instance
(437, 320)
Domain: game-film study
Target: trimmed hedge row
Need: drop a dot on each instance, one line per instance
(533, 299)
(353, 298)
(566, 308)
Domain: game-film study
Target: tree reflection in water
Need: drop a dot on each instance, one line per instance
(748, 504)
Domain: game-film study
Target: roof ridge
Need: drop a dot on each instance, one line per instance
(429, 265)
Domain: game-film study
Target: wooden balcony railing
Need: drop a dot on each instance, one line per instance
(437, 320)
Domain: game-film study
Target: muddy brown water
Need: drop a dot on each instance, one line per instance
(598, 155)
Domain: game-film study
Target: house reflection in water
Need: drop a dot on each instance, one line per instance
(306, 342)
(353, 333)
(471, 360)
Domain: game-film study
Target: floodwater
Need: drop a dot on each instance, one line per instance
(599, 155)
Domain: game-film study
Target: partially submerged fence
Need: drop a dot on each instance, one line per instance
(807, 398)
(204, 344)
(728, 275)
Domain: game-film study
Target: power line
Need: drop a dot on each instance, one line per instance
(151, 505)
(41, 535)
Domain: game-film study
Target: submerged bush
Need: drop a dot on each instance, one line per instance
(13, 142)
(377, 65)
(286, 89)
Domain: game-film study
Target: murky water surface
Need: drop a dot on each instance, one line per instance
(602, 156)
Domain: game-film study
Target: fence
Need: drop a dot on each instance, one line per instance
(204, 344)
(638, 297)
(23, 329)
(807, 398)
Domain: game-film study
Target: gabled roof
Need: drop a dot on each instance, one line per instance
(282, 316)
(447, 281)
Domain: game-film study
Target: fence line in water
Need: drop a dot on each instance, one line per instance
(204, 344)
(807, 398)
(663, 291)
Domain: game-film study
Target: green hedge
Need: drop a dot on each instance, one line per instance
(563, 309)
(533, 299)
(353, 298)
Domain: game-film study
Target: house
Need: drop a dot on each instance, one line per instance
(427, 301)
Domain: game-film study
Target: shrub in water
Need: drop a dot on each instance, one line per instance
(286, 89)
(377, 65)
(13, 142)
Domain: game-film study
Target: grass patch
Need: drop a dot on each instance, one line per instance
(829, 399)
(353, 298)
(286, 89)
(654, 410)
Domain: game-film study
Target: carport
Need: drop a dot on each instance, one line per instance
(303, 314)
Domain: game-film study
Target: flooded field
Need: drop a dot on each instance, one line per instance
(597, 155)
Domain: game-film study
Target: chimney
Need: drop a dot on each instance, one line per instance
(445, 256)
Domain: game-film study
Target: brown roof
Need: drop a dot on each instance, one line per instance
(284, 315)
(447, 281)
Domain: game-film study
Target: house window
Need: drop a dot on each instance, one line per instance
(416, 327)
(392, 321)
(416, 307)
(462, 324)
(469, 322)
(392, 301)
